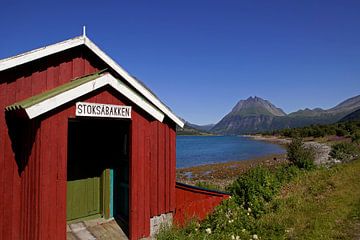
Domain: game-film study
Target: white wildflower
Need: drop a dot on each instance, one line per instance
(232, 237)
(237, 238)
(249, 209)
(231, 220)
(208, 230)
(243, 230)
(255, 237)
(248, 214)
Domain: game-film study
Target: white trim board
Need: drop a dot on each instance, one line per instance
(83, 40)
(107, 79)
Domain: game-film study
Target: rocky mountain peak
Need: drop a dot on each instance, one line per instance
(256, 106)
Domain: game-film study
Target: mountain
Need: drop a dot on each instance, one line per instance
(348, 105)
(193, 129)
(354, 116)
(257, 115)
(205, 128)
(251, 115)
(254, 106)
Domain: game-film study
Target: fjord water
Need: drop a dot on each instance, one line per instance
(199, 150)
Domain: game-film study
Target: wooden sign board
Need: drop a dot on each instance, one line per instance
(84, 109)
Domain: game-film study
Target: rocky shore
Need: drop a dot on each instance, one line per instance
(222, 174)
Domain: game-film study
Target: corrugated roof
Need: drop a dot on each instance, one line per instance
(53, 92)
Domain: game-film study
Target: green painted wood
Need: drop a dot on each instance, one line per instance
(83, 198)
(111, 192)
(106, 193)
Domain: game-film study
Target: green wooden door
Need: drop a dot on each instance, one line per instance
(83, 198)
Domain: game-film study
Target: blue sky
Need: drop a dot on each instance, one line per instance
(201, 57)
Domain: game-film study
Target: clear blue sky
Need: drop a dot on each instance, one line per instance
(202, 56)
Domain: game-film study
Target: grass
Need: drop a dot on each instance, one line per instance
(317, 204)
(321, 204)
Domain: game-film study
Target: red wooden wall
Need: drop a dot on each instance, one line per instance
(33, 154)
(193, 202)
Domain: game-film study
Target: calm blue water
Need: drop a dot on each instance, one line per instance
(199, 150)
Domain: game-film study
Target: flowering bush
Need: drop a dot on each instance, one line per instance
(254, 189)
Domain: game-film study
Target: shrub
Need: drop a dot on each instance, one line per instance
(299, 155)
(355, 137)
(344, 151)
(254, 189)
(286, 173)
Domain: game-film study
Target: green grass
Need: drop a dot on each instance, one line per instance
(322, 204)
(317, 204)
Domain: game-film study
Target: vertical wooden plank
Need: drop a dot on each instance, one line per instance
(9, 198)
(141, 175)
(106, 193)
(161, 170)
(88, 68)
(172, 168)
(39, 85)
(147, 180)
(167, 168)
(133, 228)
(153, 172)
(45, 178)
(65, 72)
(52, 75)
(52, 163)
(78, 67)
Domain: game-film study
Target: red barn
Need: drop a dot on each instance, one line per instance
(81, 138)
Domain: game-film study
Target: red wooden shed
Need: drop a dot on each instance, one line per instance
(81, 138)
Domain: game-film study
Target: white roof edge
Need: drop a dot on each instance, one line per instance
(74, 93)
(39, 53)
(133, 81)
(62, 46)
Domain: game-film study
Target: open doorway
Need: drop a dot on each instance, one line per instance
(98, 170)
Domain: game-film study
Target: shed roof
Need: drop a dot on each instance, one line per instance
(44, 102)
(83, 40)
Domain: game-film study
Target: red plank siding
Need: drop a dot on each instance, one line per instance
(193, 202)
(172, 167)
(34, 200)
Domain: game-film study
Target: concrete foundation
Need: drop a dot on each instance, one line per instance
(159, 221)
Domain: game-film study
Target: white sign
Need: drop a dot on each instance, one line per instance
(84, 109)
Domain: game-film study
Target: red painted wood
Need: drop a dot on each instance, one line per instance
(34, 200)
(153, 168)
(140, 175)
(172, 168)
(161, 170)
(195, 203)
(134, 180)
(147, 180)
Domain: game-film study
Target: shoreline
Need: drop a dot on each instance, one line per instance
(222, 174)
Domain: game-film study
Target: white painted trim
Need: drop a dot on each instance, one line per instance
(62, 46)
(132, 81)
(72, 94)
(39, 53)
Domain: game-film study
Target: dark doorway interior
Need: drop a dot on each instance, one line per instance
(96, 145)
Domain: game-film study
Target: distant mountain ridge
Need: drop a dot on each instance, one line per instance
(354, 116)
(256, 115)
